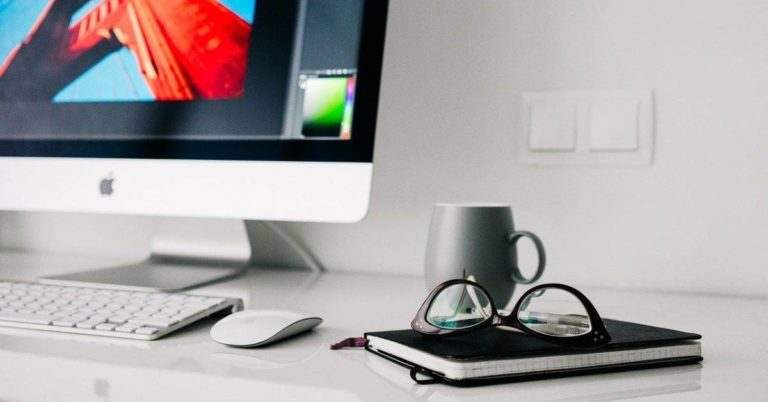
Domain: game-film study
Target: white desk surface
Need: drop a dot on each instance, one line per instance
(187, 365)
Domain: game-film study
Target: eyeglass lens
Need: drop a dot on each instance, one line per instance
(459, 306)
(554, 312)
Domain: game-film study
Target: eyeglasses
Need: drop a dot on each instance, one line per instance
(554, 312)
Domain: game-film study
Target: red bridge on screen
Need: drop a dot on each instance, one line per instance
(184, 49)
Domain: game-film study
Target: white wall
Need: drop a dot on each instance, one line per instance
(695, 221)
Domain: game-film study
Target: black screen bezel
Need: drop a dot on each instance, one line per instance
(358, 149)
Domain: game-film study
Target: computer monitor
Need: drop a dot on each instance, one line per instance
(247, 109)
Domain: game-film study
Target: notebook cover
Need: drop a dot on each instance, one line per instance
(492, 343)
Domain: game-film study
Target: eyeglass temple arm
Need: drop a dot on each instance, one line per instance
(530, 317)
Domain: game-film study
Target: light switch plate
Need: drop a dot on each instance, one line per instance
(613, 125)
(553, 127)
(605, 128)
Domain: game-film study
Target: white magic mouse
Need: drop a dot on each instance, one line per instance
(252, 328)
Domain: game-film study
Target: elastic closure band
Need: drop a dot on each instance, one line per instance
(430, 378)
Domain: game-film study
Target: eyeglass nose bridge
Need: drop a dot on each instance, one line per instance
(507, 320)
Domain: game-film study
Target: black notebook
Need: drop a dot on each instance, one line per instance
(494, 355)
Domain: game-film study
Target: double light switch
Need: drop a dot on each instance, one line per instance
(587, 128)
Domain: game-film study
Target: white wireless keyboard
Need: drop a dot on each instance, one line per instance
(104, 312)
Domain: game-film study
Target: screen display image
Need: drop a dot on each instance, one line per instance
(124, 50)
(189, 79)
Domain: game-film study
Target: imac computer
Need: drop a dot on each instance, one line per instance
(230, 109)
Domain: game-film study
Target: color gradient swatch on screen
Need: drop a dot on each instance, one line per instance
(328, 107)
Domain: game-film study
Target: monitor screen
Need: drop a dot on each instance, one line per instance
(293, 80)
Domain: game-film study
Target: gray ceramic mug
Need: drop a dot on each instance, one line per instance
(479, 239)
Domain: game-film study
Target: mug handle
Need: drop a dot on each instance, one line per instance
(516, 274)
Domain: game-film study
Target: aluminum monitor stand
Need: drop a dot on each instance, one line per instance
(185, 253)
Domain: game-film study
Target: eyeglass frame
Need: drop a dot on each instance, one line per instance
(596, 337)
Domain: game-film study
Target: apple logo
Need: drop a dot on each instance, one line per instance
(106, 186)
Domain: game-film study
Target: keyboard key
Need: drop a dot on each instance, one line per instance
(27, 318)
(146, 331)
(196, 306)
(127, 328)
(106, 327)
(89, 324)
(142, 314)
(154, 322)
(63, 323)
(120, 319)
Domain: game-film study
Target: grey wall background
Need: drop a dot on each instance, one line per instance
(696, 221)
